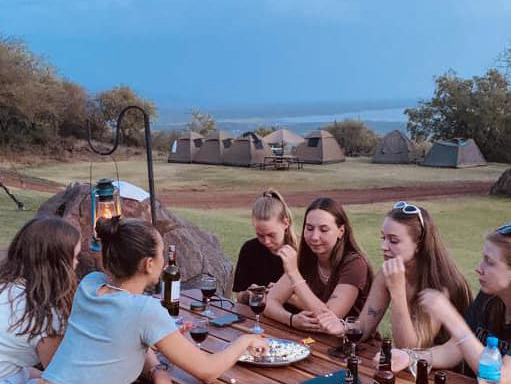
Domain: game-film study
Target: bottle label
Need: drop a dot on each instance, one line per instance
(489, 372)
(175, 291)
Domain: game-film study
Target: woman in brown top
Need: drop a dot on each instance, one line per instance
(329, 273)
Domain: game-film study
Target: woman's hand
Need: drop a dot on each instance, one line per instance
(289, 258)
(436, 304)
(257, 346)
(161, 377)
(394, 273)
(330, 323)
(307, 321)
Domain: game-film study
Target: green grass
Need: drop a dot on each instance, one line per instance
(11, 219)
(354, 173)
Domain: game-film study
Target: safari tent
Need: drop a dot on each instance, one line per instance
(214, 147)
(283, 139)
(186, 148)
(454, 153)
(247, 150)
(395, 148)
(320, 147)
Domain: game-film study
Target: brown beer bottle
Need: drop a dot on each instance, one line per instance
(440, 377)
(171, 283)
(422, 372)
(384, 374)
(353, 368)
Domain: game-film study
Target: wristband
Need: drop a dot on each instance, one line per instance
(291, 320)
(300, 282)
(463, 339)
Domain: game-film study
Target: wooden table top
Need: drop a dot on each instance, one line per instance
(317, 364)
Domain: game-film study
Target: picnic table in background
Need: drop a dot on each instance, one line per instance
(319, 362)
(281, 162)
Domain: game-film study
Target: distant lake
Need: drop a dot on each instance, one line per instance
(381, 120)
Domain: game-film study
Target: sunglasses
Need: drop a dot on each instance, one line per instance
(504, 230)
(410, 210)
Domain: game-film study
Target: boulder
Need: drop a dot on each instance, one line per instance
(197, 251)
(503, 185)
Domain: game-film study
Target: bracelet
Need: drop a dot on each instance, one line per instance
(291, 320)
(300, 282)
(157, 367)
(463, 339)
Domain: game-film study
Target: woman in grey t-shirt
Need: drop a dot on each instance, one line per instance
(112, 324)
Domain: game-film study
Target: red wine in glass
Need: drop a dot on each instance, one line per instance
(208, 292)
(258, 307)
(354, 335)
(199, 334)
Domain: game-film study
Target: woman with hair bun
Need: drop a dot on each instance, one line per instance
(258, 260)
(37, 283)
(113, 325)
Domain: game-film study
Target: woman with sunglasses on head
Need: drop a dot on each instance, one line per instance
(414, 259)
(37, 283)
(329, 272)
(489, 314)
(113, 325)
(258, 262)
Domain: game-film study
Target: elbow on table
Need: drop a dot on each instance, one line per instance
(209, 374)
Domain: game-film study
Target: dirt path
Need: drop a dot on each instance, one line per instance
(222, 199)
(212, 199)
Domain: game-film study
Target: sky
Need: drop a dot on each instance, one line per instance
(245, 52)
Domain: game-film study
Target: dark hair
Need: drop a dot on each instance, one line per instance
(271, 204)
(124, 243)
(40, 258)
(495, 309)
(347, 245)
(435, 269)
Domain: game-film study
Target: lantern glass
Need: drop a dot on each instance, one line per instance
(106, 204)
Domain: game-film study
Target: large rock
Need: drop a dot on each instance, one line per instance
(503, 185)
(197, 251)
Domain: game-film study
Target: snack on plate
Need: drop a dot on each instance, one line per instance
(280, 352)
(308, 340)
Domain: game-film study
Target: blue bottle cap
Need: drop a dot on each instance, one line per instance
(492, 341)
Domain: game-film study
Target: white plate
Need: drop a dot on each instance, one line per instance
(281, 352)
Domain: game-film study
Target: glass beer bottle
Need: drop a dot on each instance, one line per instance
(422, 372)
(171, 283)
(384, 374)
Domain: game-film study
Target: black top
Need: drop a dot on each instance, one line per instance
(256, 265)
(477, 318)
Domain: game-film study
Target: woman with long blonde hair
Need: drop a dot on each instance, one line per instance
(258, 260)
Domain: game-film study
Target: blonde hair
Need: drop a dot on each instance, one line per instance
(272, 205)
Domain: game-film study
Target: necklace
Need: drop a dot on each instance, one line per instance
(324, 276)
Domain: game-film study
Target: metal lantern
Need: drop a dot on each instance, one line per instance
(106, 203)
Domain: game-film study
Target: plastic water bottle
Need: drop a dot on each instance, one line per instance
(490, 363)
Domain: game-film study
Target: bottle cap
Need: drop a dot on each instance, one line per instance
(197, 306)
(492, 341)
(422, 363)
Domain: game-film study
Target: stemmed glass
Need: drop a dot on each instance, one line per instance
(257, 303)
(199, 331)
(417, 354)
(354, 334)
(208, 288)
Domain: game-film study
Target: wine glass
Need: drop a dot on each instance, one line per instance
(208, 288)
(199, 331)
(257, 303)
(419, 353)
(354, 334)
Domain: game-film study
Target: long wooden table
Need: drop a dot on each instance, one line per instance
(318, 363)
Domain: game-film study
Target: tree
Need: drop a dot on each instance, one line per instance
(202, 123)
(263, 131)
(477, 108)
(354, 137)
(112, 102)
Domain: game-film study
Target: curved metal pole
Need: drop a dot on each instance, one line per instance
(148, 147)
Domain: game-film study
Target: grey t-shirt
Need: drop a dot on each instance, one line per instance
(107, 335)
